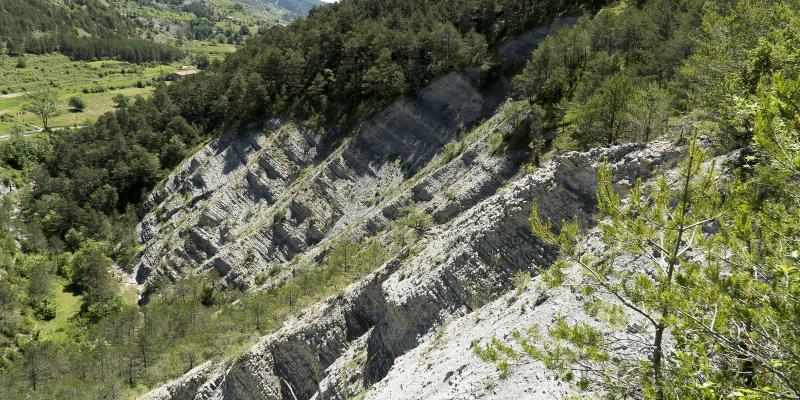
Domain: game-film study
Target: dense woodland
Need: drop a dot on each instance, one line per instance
(345, 61)
(82, 30)
(632, 71)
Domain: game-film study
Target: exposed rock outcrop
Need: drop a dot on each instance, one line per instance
(251, 200)
(249, 203)
(8, 188)
(437, 297)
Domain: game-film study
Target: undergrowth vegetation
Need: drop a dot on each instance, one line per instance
(131, 348)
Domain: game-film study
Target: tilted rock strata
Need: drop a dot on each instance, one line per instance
(249, 201)
(382, 331)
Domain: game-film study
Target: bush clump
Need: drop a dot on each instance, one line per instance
(76, 104)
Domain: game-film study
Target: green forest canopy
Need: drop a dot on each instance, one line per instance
(82, 30)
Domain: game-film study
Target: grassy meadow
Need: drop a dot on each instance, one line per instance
(67, 306)
(96, 82)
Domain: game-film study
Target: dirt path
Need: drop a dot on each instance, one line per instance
(11, 95)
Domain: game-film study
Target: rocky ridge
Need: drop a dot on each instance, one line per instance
(405, 330)
(249, 203)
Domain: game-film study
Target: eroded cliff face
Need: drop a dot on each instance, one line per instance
(7, 188)
(272, 194)
(405, 330)
(250, 202)
(261, 200)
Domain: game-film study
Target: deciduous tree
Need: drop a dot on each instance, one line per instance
(44, 104)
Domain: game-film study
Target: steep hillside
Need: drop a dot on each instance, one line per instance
(406, 331)
(421, 199)
(256, 208)
(250, 201)
(87, 30)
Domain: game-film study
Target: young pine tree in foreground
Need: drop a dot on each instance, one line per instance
(715, 311)
(740, 334)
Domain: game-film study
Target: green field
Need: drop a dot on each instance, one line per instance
(214, 51)
(67, 305)
(97, 82)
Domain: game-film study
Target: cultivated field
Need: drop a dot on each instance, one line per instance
(96, 82)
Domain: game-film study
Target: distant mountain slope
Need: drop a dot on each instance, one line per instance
(295, 6)
(126, 29)
(291, 9)
(20, 18)
(86, 30)
(220, 20)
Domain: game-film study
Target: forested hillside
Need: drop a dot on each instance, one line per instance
(231, 21)
(347, 60)
(86, 30)
(90, 52)
(134, 30)
(723, 74)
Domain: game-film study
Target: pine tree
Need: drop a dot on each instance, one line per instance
(723, 277)
(604, 118)
(743, 327)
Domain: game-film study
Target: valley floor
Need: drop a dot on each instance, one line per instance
(96, 82)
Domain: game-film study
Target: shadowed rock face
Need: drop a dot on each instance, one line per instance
(248, 202)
